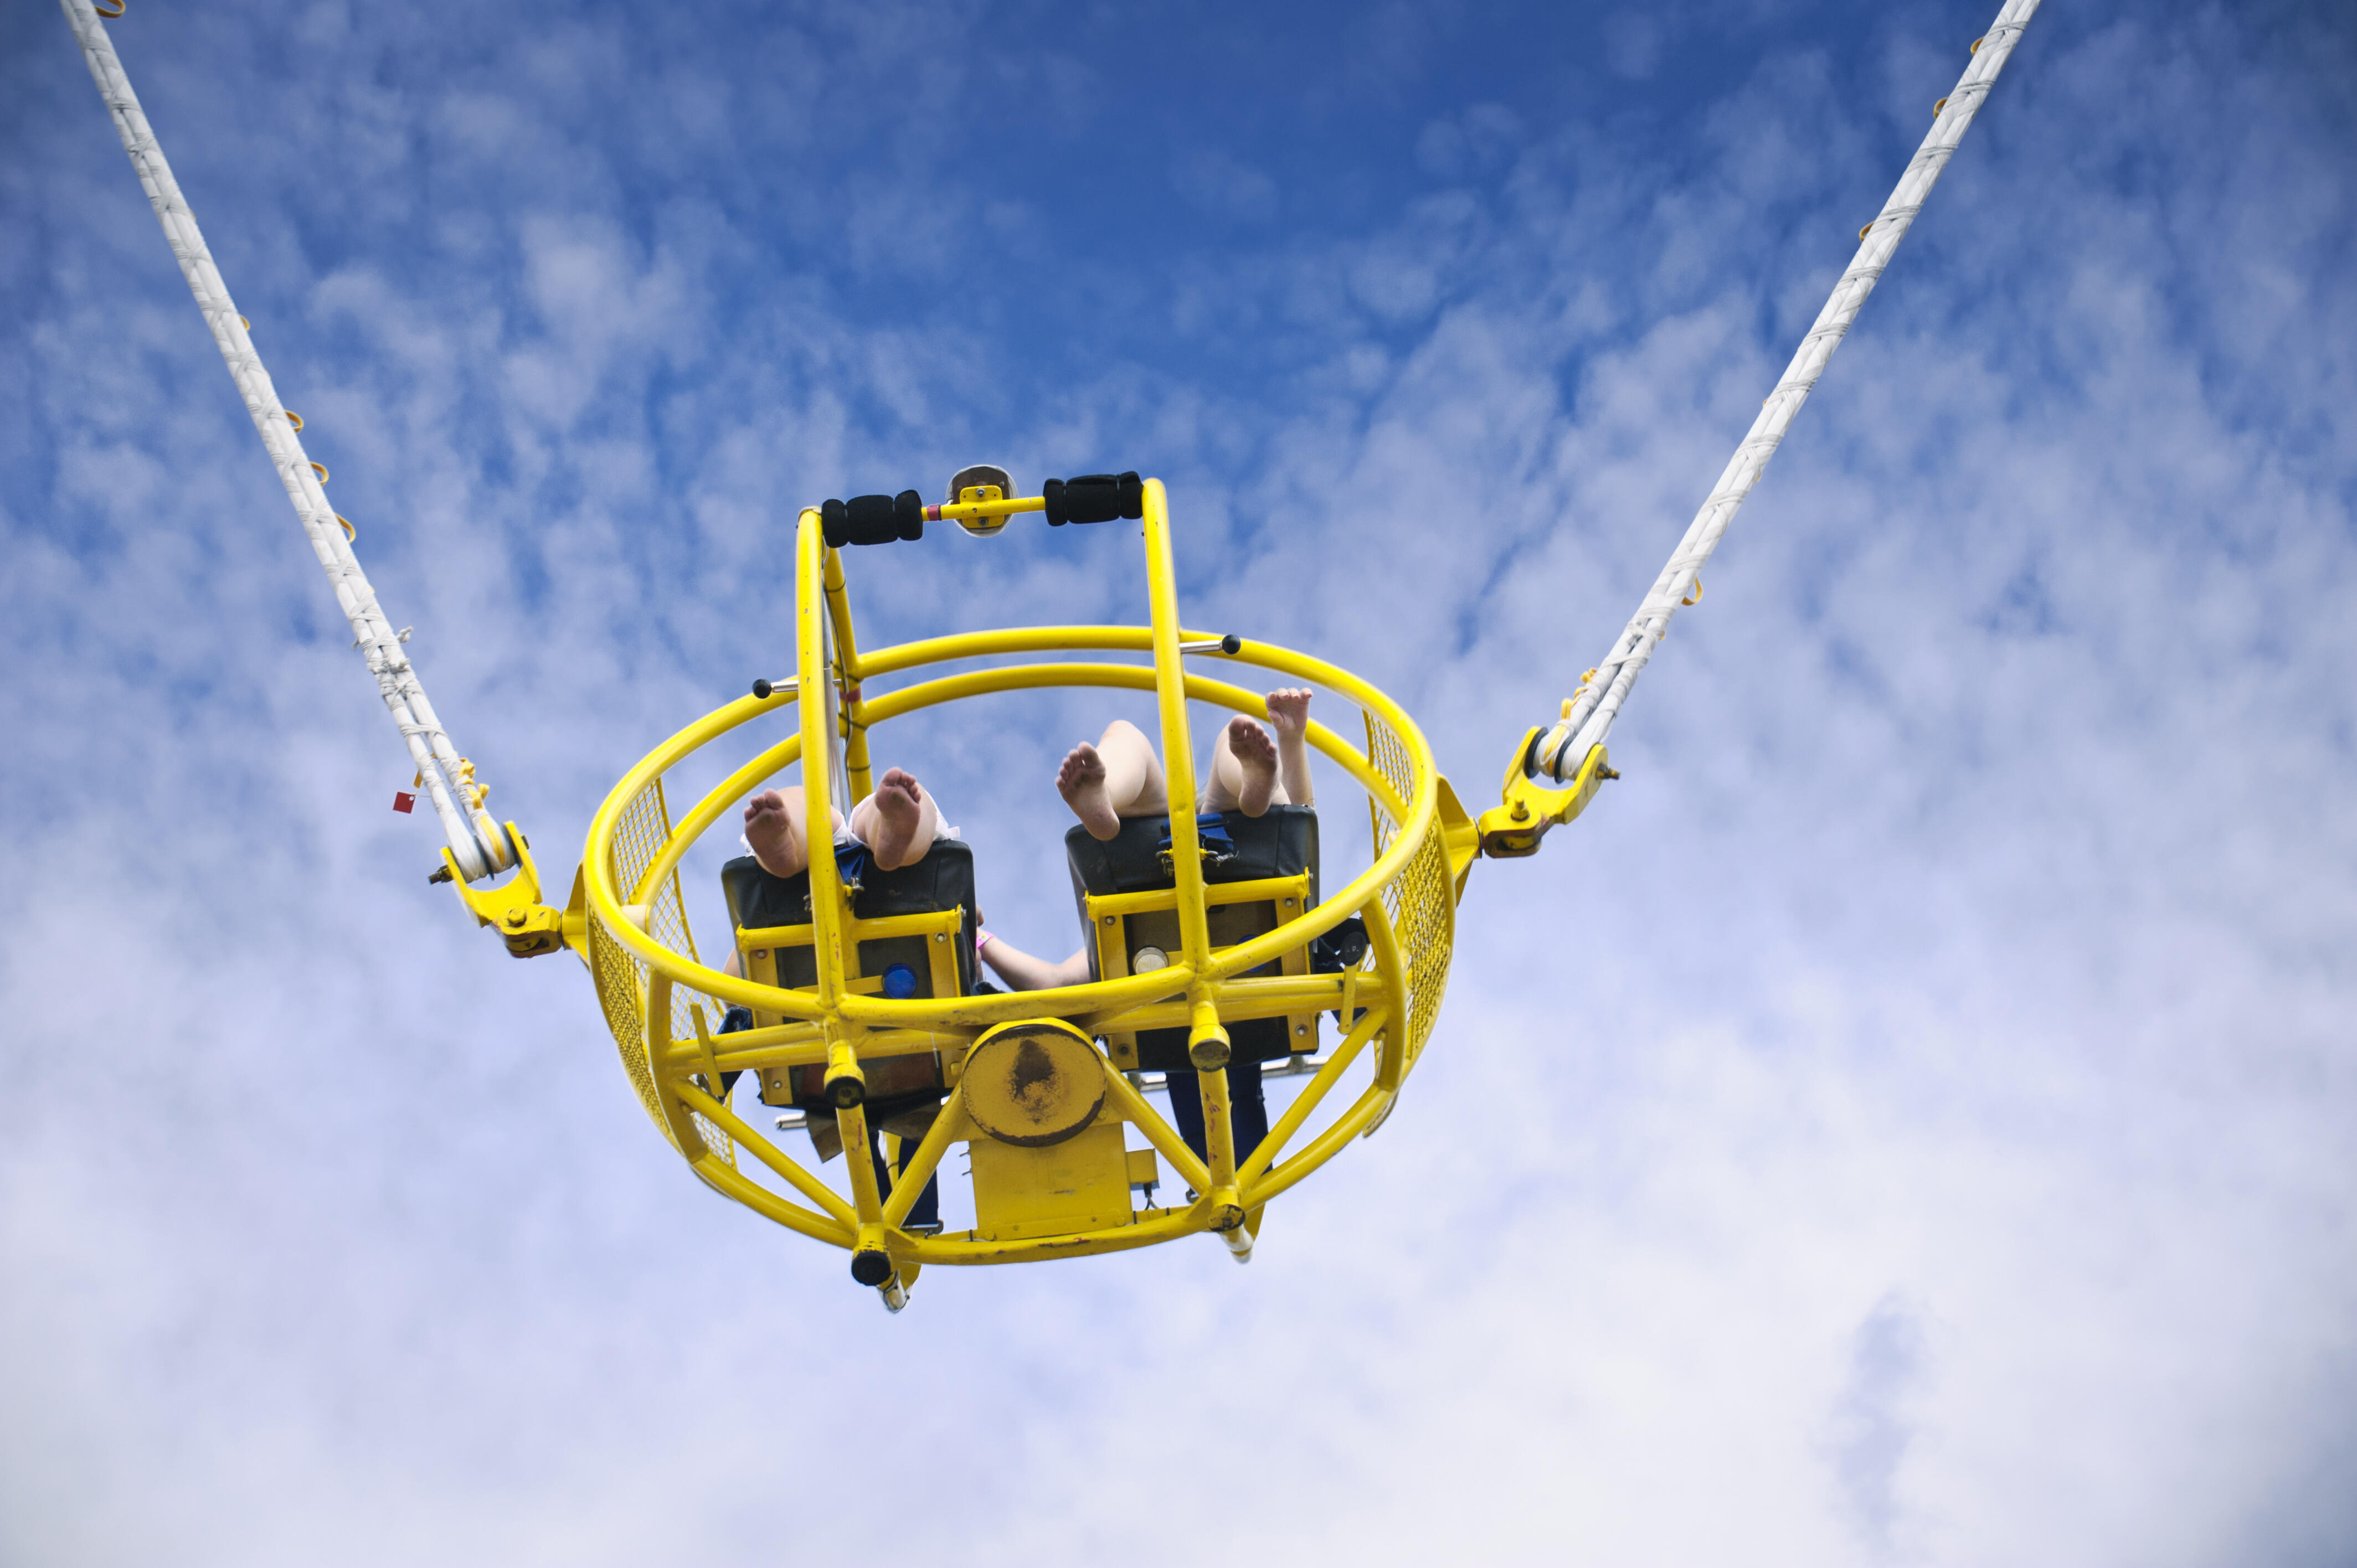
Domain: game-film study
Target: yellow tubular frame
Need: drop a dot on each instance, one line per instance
(1406, 898)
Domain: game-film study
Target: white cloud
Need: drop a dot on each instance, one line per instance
(1907, 1116)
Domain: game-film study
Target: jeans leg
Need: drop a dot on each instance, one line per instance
(1247, 1108)
(926, 1209)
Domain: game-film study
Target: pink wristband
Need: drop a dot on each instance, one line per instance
(981, 940)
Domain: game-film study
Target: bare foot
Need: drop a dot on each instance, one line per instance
(1256, 754)
(1288, 715)
(1081, 782)
(899, 802)
(770, 829)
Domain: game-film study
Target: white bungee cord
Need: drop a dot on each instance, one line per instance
(478, 842)
(1588, 713)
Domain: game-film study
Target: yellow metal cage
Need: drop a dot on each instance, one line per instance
(664, 1004)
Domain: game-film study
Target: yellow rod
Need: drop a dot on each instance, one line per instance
(1274, 996)
(655, 1045)
(729, 1179)
(969, 1013)
(953, 511)
(1219, 1131)
(770, 1155)
(908, 1184)
(1393, 1064)
(1329, 1143)
(807, 1052)
(838, 610)
(1159, 1133)
(866, 1200)
(1013, 640)
(1260, 890)
(854, 750)
(753, 1042)
(818, 774)
(968, 1251)
(1177, 744)
(1308, 1100)
(846, 652)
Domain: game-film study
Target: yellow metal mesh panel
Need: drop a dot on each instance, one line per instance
(640, 834)
(1420, 900)
(621, 987)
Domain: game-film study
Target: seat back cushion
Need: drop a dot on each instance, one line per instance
(943, 880)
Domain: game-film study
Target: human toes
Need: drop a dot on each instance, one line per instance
(1288, 709)
(901, 782)
(1082, 766)
(1250, 744)
(1081, 782)
(1256, 755)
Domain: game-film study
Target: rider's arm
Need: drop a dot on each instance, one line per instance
(1024, 972)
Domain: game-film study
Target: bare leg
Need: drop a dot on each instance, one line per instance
(1243, 771)
(1118, 776)
(1288, 715)
(897, 823)
(774, 827)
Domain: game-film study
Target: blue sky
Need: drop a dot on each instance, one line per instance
(1906, 1120)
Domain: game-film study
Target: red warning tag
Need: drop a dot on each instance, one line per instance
(403, 799)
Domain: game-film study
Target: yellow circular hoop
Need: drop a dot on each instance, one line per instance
(662, 1001)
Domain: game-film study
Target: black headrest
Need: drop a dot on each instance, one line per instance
(1280, 842)
(943, 879)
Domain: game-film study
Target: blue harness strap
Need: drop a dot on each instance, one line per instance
(850, 860)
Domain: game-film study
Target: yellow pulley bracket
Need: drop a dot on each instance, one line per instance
(1513, 829)
(529, 927)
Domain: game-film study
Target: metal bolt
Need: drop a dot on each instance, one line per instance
(760, 952)
(1301, 1028)
(1108, 919)
(941, 935)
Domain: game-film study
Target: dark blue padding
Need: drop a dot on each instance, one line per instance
(1280, 842)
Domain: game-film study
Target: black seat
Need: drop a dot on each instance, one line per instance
(940, 884)
(1280, 843)
(942, 881)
